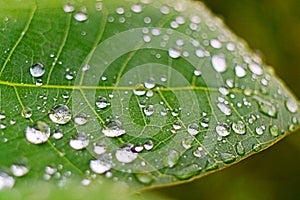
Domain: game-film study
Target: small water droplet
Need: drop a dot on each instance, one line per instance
(224, 108)
(193, 128)
(188, 172)
(136, 8)
(171, 159)
(149, 145)
(65, 95)
(149, 110)
(102, 164)
(26, 112)
(150, 83)
(266, 107)
(99, 149)
(274, 130)
(240, 71)
(68, 8)
(239, 147)
(139, 90)
(177, 125)
(197, 72)
(198, 152)
(113, 129)
(37, 133)
(85, 68)
(60, 114)
(137, 148)
(6, 181)
(58, 134)
(80, 119)
(256, 69)
(187, 142)
(80, 17)
(37, 70)
(260, 130)
(145, 178)
(227, 158)
(102, 102)
(174, 52)
(125, 155)
(256, 147)
(291, 105)
(19, 170)
(219, 63)
(80, 142)
(223, 130)
(239, 127)
(204, 122)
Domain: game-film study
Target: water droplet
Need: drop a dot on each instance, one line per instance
(37, 133)
(255, 69)
(197, 72)
(137, 148)
(102, 164)
(145, 178)
(26, 112)
(204, 122)
(171, 159)
(256, 147)
(193, 129)
(80, 142)
(125, 155)
(224, 91)
(224, 108)
(19, 170)
(211, 165)
(223, 130)
(2, 115)
(260, 130)
(69, 75)
(291, 105)
(239, 127)
(85, 68)
(227, 158)
(219, 63)
(102, 102)
(198, 152)
(80, 17)
(65, 95)
(113, 129)
(240, 71)
(37, 70)
(188, 172)
(99, 149)
(216, 43)
(58, 134)
(139, 90)
(149, 110)
(174, 52)
(80, 119)
(187, 142)
(136, 8)
(60, 114)
(240, 148)
(6, 181)
(274, 130)
(150, 83)
(175, 112)
(177, 125)
(149, 145)
(68, 8)
(268, 108)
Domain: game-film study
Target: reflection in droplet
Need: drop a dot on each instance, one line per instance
(37, 70)
(60, 114)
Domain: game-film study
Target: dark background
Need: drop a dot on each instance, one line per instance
(271, 27)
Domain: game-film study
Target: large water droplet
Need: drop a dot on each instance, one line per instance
(150, 83)
(224, 108)
(291, 105)
(80, 17)
(80, 142)
(60, 114)
(80, 119)
(219, 63)
(240, 71)
(149, 145)
(174, 52)
(37, 70)
(125, 155)
(260, 130)
(99, 149)
(239, 127)
(223, 130)
(102, 164)
(171, 159)
(256, 69)
(37, 133)
(188, 172)
(6, 181)
(139, 90)
(113, 129)
(193, 128)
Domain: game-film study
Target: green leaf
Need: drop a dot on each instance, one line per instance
(145, 93)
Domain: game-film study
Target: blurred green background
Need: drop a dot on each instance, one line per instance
(271, 27)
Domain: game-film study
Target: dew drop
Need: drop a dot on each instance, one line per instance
(125, 155)
(174, 52)
(197, 73)
(139, 90)
(187, 142)
(19, 170)
(223, 130)
(256, 147)
(240, 71)
(219, 63)
(216, 43)
(58, 134)
(99, 149)
(188, 172)
(26, 112)
(80, 17)
(274, 130)
(102, 102)
(291, 105)
(102, 164)
(149, 145)
(224, 108)
(68, 8)
(145, 178)
(80, 119)
(239, 147)
(255, 69)
(37, 133)
(37, 70)
(80, 142)
(113, 129)
(239, 127)
(193, 128)
(227, 158)
(171, 159)
(2, 115)
(137, 148)
(149, 110)
(136, 8)
(150, 83)
(268, 109)
(260, 130)
(60, 114)
(6, 181)
(177, 125)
